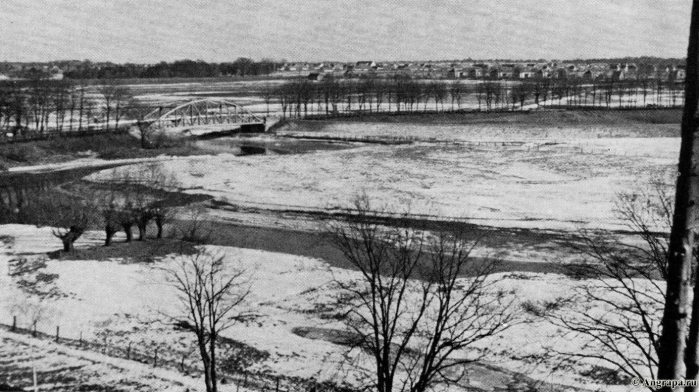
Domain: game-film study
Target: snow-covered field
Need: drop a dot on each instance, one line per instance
(546, 178)
(551, 178)
(60, 368)
(122, 303)
(509, 132)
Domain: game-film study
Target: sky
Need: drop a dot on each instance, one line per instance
(149, 31)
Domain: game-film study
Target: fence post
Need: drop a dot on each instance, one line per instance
(81, 339)
(245, 381)
(155, 358)
(128, 351)
(57, 330)
(277, 387)
(182, 363)
(34, 330)
(14, 323)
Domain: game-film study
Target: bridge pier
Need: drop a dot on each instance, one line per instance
(253, 128)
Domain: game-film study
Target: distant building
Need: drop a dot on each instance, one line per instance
(677, 74)
(527, 71)
(316, 76)
(364, 65)
(507, 71)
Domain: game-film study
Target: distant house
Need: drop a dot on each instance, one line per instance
(316, 76)
(476, 72)
(454, 73)
(647, 71)
(622, 71)
(338, 69)
(527, 71)
(677, 74)
(364, 66)
(507, 71)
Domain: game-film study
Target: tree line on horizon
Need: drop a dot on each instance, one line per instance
(162, 70)
(242, 66)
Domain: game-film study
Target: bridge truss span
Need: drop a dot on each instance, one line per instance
(202, 112)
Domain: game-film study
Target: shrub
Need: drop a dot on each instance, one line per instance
(161, 139)
(21, 152)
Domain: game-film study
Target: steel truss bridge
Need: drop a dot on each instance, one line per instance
(202, 112)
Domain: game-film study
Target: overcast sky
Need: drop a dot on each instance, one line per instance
(147, 31)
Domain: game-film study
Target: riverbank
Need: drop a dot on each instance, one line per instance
(551, 117)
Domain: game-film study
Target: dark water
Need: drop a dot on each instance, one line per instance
(281, 146)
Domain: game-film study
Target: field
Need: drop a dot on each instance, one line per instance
(530, 180)
(485, 174)
(291, 324)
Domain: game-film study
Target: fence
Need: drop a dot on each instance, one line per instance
(162, 358)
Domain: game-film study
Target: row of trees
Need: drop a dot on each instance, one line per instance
(127, 198)
(42, 105)
(61, 105)
(330, 96)
(176, 69)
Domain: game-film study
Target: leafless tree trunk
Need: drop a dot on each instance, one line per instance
(677, 307)
(210, 291)
(134, 197)
(408, 310)
(116, 98)
(67, 215)
(615, 314)
(675, 316)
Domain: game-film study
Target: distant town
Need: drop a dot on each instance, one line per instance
(612, 69)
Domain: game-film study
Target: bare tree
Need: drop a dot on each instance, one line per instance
(439, 93)
(267, 95)
(135, 196)
(673, 340)
(456, 92)
(68, 215)
(615, 314)
(138, 110)
(645, 83)
(210, 292)
(410, 309)
(117, 99)
(116, 219)
(381, 91)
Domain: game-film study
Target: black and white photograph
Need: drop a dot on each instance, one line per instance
(349, 196)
